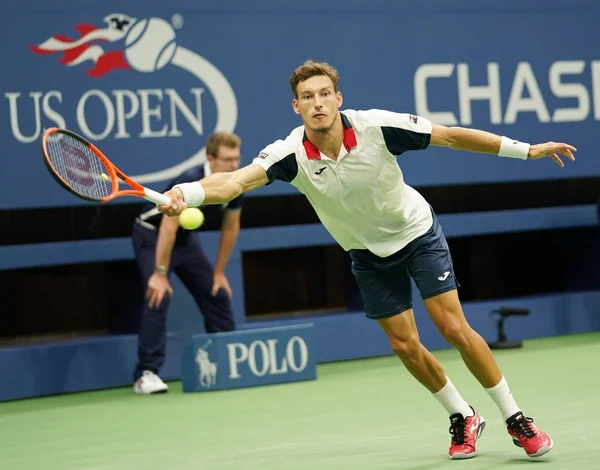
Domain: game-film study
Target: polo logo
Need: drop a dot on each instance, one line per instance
(208, 369)
(320, 170)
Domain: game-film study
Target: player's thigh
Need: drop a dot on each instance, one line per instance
(385, 290)
(446, 313)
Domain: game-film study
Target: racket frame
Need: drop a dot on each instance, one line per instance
(137, 190)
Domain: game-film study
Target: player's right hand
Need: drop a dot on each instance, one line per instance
(177, 205)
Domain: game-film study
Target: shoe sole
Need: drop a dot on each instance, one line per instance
(139, 392)
(460, 455)
(542, 451)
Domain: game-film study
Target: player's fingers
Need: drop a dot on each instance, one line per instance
(176, 208)
(557, 159)
(177, 205)
(215, 289)
(567, 151)
(166, 208)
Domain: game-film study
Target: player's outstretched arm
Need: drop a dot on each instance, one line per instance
(218, 188)
(474, 140)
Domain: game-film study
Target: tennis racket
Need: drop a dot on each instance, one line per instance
(83, 170)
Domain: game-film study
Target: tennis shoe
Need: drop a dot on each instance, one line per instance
(149, 383)
(465, 432)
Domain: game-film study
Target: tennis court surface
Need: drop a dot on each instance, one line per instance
(367, 414)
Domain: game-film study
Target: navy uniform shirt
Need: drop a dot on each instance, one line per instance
(150, 217)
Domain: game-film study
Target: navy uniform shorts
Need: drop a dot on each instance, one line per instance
(385, 283)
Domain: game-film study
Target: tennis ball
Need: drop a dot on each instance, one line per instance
(104, 176)
(191, 218)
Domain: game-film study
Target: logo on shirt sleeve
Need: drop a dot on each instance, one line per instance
(413, 119)
(263, 155)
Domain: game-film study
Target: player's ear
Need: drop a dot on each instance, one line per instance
(295, 106)
(340, 99)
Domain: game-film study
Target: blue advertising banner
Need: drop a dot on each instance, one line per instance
(249, 358)
(147, 82)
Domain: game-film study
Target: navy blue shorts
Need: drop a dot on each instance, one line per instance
(385, 283)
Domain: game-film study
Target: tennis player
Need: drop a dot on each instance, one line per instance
(345, 163)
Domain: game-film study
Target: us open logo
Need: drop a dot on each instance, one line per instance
(128, 44)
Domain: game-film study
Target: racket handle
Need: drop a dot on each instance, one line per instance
(156, 197)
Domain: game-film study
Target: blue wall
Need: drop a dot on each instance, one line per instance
(236, 59)
(500, 66)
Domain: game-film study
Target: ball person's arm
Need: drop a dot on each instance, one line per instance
(158, 284)
(474, 140)
(218, 188)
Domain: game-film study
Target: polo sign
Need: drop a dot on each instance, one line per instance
(249, 358)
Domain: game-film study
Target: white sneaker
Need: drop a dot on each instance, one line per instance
(149, 383)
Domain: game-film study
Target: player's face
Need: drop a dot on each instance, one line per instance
(317, 103)
(228, 159)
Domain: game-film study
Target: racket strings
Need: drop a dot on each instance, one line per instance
(78, 166)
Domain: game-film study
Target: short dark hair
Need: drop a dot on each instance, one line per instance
(313, 69)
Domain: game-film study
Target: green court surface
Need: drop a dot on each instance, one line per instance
(367, 414)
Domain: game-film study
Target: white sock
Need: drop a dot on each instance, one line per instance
(451, 400)
(504, 399)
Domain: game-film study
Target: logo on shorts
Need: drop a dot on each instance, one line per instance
(444, 277)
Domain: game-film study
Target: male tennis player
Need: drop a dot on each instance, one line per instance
(345, 164)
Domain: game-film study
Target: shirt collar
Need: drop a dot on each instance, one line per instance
(207, 171)
(350, 142)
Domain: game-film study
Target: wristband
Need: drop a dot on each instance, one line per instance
(193, 193)
(513, 148)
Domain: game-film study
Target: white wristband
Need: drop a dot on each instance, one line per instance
(193, 193)
(513, 148)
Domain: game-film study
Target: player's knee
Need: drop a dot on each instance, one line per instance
(406, 348)
(455, 331)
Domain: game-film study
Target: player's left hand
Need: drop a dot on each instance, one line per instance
(221, 282)
(552, 150)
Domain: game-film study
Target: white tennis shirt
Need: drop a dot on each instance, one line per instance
(361, 198)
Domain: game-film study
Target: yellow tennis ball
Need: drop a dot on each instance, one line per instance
(104, 176)
(191, 218)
